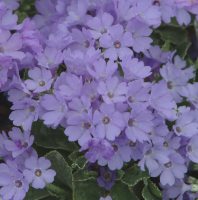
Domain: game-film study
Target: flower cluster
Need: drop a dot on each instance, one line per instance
(22, 166)
(90, 67)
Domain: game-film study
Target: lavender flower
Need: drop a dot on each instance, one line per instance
(37, 172)
(11, 4)
(10, 45)
(77, 12)
(112, 90)
(182, 15)
(13, 185)
(136, 150)
(171, 170)
(186, 125)
(41, 80)
(122, 153)
(139, 124)
(167, 9)
(109, 122)
(116, 42)
(178, 190)
(54, 109)
(140, 33)
(50, 58)
(80, 127)
(80, 105)
(190, 92)
(8, 20)
(98, 150)
(152, 157)
(142, 10)
(176, 78)
(134, 69)
(64, 85)
(78, 60)
(192, 149)
(160, 93)
(138, 94)
(100, 24)
(81, 39)
(5, 68)
(3, 151)
(106, 178)
(102, 70)
(18, 142)
(24, 113)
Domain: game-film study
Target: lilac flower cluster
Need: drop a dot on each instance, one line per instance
(22, 166)
(90, 67)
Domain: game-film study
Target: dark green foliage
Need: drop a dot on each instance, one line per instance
(51, 138)
(26, 9)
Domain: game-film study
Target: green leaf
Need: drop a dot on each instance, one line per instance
(183, 49)
(63, 170)
(51, 138)
(119, 174)
(166, 46)
(86, 190)
(133, 175)
(84, 175)
(175, 34)
(196, 27)
(196, 64)
(194, 188)
(78, 160)
(58, 192)
(26, 9)
(151, 191)
(35, 194)
(120, 191)
(51, 198)
(193, 167)
(174, 38)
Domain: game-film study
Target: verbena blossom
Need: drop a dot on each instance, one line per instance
(37, 172)
(53, 109)
(13, 185)
(79, 128)
(11, 45)
(160, 93)
(139, 124)
(49, 58)
(100, 24)
(171, 170)
(116, 42)
(192, 149)
(176, 78)
(98, 150)
(19, 142)
(138, 94)
(24, 113)
(134, 69)
(112, 90)
(186, 125)
(40, 80)
(122, 153)
(101, 69)
(140, 33)
(106, 178)
(108, 122)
